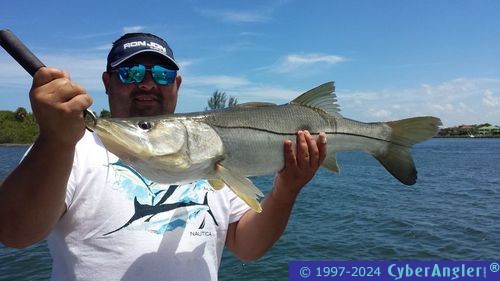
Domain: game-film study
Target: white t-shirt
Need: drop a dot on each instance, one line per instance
(120, 226)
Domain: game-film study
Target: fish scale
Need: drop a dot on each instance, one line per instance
(282, 119)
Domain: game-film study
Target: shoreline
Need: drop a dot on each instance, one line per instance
(14, 144)
(467, 137)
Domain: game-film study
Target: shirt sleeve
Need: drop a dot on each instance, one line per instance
(238, 206)
(71, 186)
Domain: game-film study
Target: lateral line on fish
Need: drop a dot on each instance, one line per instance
(293, 134)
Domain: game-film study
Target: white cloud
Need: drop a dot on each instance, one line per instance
(267, 93)
(234, 16)
(312, 59)
(490, 100)
(196, 91)
(89, 36)
(293, 62)
(185, 63)
(12, 73)
(382, 113)
(457, 101)
(131, 29)
(218, 81)
(442, 107)
(85, 69)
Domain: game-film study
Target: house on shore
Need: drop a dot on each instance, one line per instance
(489, 130)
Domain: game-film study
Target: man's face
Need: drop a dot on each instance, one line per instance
(144, 99)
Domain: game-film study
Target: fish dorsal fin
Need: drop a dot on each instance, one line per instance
(322, 97)
(255, 104)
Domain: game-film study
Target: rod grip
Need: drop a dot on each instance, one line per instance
(19, 52)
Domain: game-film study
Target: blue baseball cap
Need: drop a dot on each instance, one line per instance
(132, 44)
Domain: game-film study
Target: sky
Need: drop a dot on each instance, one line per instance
(389, 59)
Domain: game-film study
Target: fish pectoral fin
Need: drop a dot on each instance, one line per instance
(216, 184)
(241, 186)
(331, 163)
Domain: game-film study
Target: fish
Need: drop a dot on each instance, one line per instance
(227, 146)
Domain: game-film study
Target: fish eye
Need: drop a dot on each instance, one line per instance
(145, 125)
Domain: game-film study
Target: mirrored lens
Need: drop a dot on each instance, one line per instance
(135, 74)
(132, 74)
(162, 75)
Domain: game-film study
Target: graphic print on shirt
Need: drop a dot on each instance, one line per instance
(160, 208)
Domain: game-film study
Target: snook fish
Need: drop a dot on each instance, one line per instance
(247, 140)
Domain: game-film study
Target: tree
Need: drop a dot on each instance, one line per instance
(232, 101)
(218, 101)
(105, 114)
(20, 113)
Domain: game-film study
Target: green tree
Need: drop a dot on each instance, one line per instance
(105, 114)
(219, 100)
(17, 127)
(20, 113)
(484, 125)
(232, 101)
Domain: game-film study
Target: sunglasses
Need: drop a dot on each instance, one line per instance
(135, 74)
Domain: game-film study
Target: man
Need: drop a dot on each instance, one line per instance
(101, 219)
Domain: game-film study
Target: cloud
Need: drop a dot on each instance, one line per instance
(103, 47)
(313, 58)
(490, 100)
(197, 89)
(131, 29)
(442, 107)
(13, 74)
(220, 82)
(234, 16)
(85, 69)
(382, 113)
(88, 36)
(266, 93)
(185, 63)
(293, 62)
(457, 101)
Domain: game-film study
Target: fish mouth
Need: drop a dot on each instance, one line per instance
(120, 136)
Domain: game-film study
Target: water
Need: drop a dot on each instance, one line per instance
(452, 213)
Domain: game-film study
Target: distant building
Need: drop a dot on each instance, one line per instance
(489, 130)
(462, 130)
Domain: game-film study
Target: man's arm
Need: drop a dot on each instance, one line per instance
(254, 233)
(32, 196)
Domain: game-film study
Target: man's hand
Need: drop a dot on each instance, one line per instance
(58, 106)
(300, 166)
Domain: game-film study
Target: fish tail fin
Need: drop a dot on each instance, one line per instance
(241, 186)
(397, 158)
